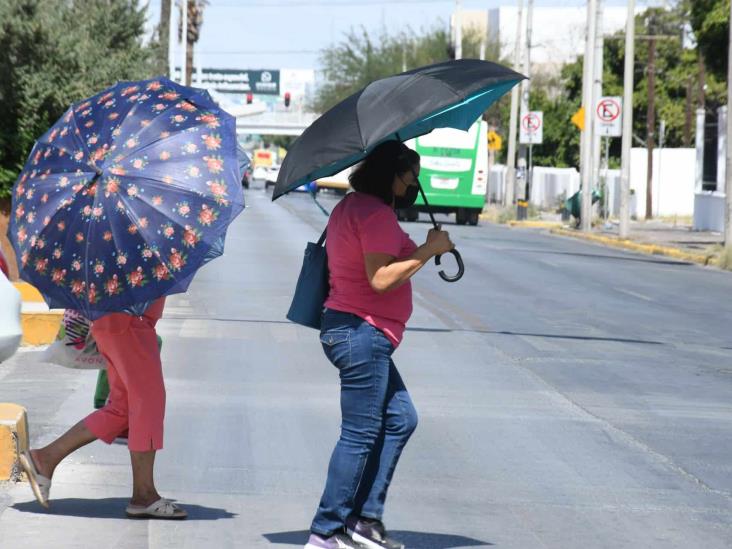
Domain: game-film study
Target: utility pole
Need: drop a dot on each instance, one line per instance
(513, 124)
(171, 39)
(687, 115)
(627, 140)
(728, 171)
(525, 95)
(588, 102)
(458, 30)
(164, 32)
(483, 36)
(597, 93)
(650, 123)
(183, 39)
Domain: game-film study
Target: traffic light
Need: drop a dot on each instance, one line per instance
(287, 99)
(250, 98)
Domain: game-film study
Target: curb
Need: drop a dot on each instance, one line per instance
(536, 224)
(13, 439)
(650, 249)
(39, 323)
(528, 224)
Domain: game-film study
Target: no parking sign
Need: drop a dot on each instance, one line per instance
(532, 128)
(609, 117)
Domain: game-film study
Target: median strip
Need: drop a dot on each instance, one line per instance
(39, 323)
(13, 439)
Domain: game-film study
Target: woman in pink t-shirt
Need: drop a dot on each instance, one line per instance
(371, 260)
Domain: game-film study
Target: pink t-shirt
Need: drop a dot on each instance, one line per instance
(358, 225)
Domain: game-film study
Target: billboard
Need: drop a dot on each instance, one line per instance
(264, 82)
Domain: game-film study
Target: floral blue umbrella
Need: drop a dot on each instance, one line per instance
(126, 197)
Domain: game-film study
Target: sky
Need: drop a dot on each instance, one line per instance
(275, 34)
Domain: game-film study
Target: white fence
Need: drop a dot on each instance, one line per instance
(550, 186)
(673, 184)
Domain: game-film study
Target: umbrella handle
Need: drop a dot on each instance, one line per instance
(461, 267)
(458, 257)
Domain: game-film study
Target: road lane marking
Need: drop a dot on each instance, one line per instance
(634, 294)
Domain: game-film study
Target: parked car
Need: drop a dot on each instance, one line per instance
(338, 182)
(270, 175)
(259, 173)
(10, 303)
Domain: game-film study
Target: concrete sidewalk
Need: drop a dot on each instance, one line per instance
(655, 237)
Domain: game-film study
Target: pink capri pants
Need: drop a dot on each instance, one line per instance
(136, 389)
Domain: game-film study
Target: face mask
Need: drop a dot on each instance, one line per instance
(409, 198)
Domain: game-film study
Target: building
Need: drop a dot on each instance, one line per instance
(558, 33)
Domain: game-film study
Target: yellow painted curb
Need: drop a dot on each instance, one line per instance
(651, 249)
(40, 328)
(536, 224)
(13, 439)
(28, 292)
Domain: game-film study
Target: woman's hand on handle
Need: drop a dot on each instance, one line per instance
(385, 272)
(438, 241)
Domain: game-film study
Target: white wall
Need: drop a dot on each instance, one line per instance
(673, 184)
(549, 184)
(673, 181)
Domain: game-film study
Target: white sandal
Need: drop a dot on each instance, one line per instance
(161, 509)
(41, 485)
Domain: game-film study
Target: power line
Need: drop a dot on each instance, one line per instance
(322, 3)
(258, 52)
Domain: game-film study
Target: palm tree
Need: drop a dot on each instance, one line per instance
(164, 34)
(195, 22)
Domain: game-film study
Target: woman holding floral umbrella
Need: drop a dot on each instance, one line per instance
(118, 206)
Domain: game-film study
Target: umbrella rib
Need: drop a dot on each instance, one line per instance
(135, 219)
(138, 150)
(62, 149)
(128, 266)
(77, 134)
(180, 185)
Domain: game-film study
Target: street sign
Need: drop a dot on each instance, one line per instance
(609, 116)
(494, 141)
(532, 128)
(578, 118)
(262, 82)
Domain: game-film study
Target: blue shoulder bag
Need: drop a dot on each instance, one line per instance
(312, 286)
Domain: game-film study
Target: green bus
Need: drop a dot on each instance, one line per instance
(453, 173)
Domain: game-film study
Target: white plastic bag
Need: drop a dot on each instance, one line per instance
(74, 346)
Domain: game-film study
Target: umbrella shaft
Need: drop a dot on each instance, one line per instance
(424, 198)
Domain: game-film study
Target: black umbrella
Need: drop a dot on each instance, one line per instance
(445, 95)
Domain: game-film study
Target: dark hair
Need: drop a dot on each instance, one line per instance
(375, 174)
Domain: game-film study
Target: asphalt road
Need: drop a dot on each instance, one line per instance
(570, 396)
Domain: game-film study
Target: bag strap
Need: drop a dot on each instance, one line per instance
(321, 240)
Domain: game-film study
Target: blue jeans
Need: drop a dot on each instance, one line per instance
(378, 418)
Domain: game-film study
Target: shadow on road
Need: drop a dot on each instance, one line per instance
(439, 330)
(549, 336)
(604, 256)
(423, 540)
(111, 508)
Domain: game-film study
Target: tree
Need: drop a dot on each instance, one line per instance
(56, 52)
(361, 58)
(193, 32)
(710, 21)
(674, 66)
(163, 33)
